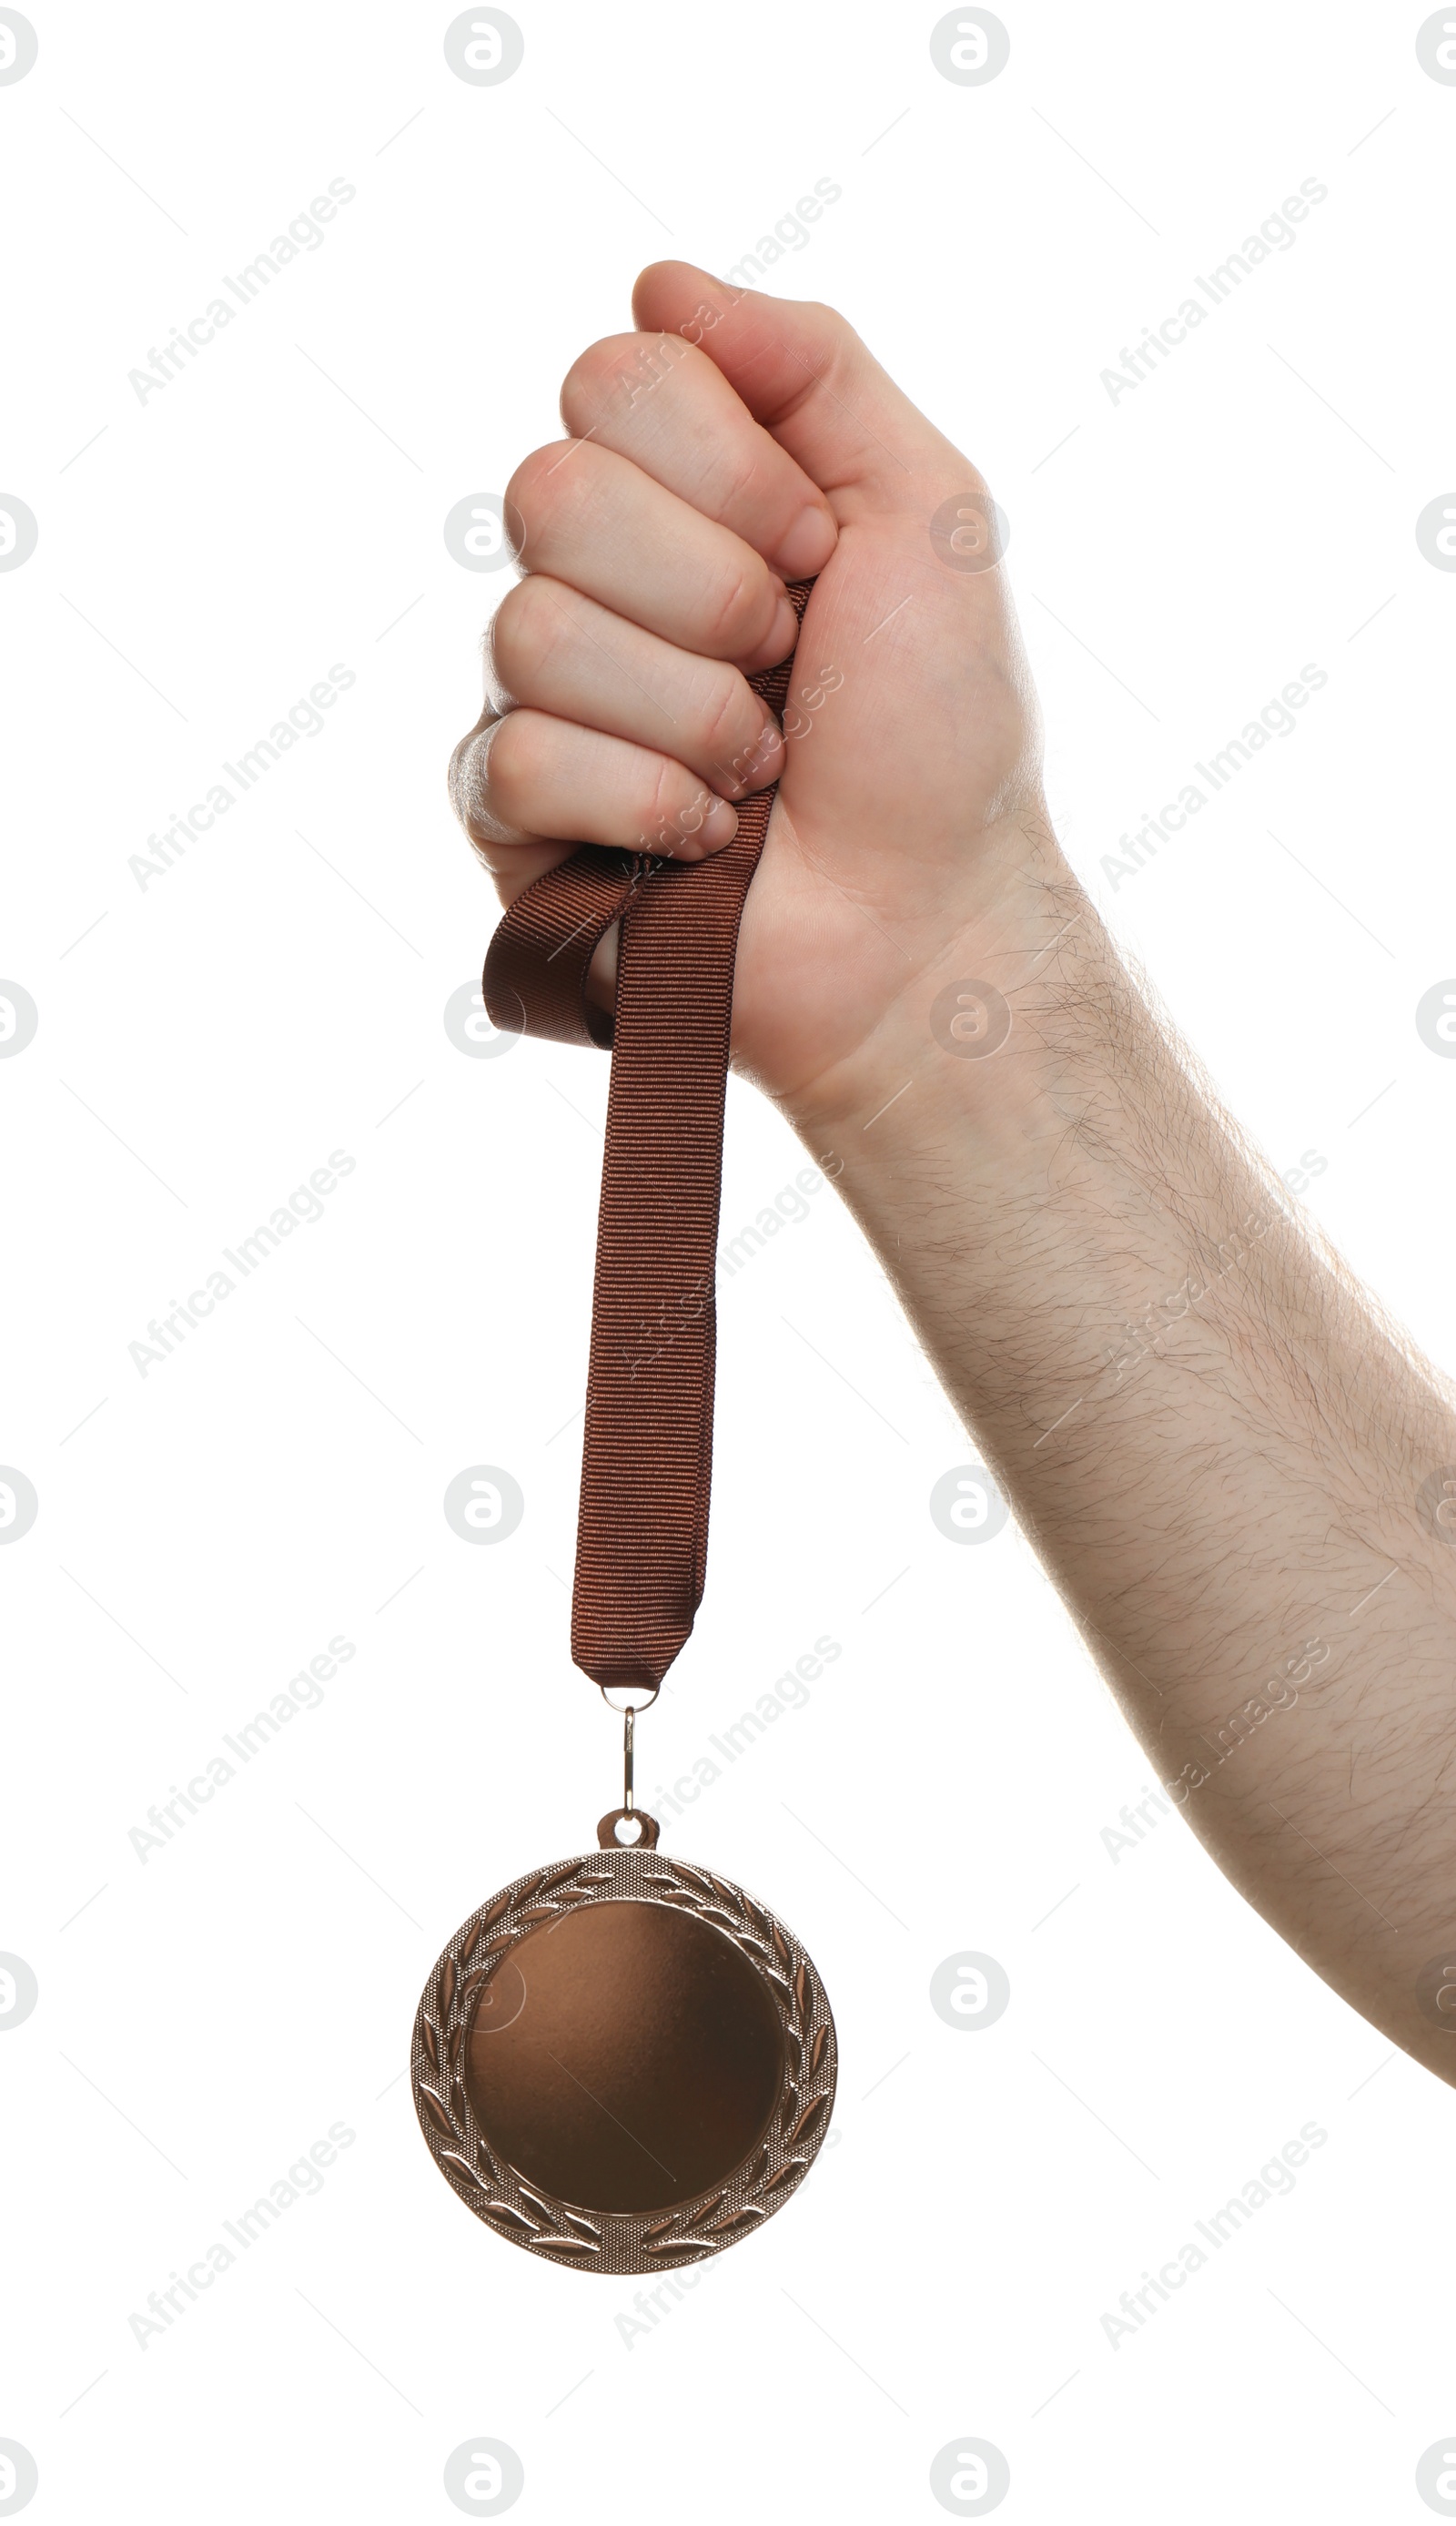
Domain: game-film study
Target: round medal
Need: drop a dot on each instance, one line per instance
(624, 2062)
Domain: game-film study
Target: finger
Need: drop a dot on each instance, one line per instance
(551, 648)
(592, 518)
(805, 374)
(666, 405)
(514, 866)
(529, 779)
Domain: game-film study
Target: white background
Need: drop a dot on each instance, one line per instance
(205, 1041)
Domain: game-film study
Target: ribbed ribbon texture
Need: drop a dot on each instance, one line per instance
(648, 1459)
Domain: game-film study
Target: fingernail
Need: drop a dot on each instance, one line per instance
(808, 544)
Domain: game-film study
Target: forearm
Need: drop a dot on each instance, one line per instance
(1216, 1447)
(1231, 1498)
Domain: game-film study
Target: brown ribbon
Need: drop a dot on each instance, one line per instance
(647, 1461)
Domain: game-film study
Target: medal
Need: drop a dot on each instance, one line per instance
(623, 2061)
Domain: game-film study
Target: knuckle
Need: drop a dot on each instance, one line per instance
(740, 484)
(835, 347)
(511, 770)
(588, 383)
(523, 635)
(672, 792)
(836, 333)
(612, 377)
(532, 492)
(740, 608)
(726, 722)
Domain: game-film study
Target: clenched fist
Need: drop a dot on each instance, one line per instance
(733, 443)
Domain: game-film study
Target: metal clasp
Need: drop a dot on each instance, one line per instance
(645, 1837)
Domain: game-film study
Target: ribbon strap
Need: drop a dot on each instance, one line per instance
(647, 1461)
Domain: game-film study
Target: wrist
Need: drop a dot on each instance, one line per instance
(983, 1034)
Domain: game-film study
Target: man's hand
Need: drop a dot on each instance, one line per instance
(733, 443)
(1225, 1456)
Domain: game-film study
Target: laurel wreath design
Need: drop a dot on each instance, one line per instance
(623, 2241)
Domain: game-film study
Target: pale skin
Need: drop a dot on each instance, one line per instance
(1230, 1462)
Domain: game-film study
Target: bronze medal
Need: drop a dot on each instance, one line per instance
(624, 2061)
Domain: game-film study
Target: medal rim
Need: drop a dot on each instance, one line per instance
(571, 2234)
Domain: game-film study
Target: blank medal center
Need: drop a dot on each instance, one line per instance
(639, 2063)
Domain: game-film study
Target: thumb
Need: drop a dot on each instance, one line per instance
(806, 375)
